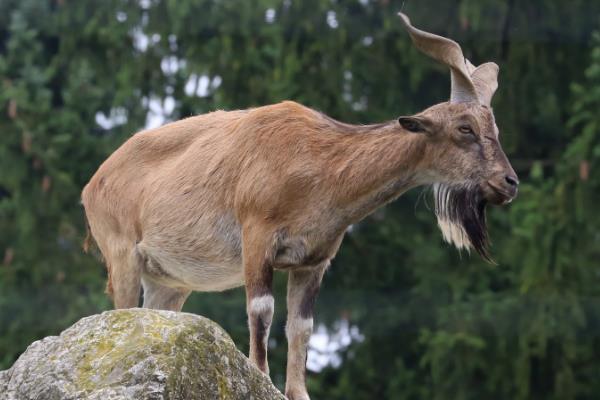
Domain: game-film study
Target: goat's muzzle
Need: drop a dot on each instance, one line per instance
(501, 190)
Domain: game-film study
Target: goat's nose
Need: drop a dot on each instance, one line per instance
(512, 180)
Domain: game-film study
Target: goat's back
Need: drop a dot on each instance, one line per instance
(216, 162)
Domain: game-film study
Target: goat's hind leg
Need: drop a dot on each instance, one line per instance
(124, 275)
(161, 297)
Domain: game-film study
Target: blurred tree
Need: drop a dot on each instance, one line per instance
(77, 78)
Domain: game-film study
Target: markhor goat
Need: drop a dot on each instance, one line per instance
(222, 200)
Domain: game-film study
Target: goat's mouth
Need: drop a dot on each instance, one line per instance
(497, 195)
(460, 211)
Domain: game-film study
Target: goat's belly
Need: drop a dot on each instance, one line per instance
(175, 269)
(205, 256)
(208, 278)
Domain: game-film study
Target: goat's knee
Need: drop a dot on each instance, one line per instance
(298, 330)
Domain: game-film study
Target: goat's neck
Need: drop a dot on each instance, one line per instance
(377, 167)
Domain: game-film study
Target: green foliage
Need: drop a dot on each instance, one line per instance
(436, 324)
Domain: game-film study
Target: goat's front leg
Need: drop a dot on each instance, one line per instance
(258, 273)
(303, 287)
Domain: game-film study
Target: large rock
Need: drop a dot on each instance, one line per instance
(136, 354)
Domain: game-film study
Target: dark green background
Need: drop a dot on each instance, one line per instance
(436, 324)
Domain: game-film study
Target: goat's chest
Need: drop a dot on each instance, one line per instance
(311, 248)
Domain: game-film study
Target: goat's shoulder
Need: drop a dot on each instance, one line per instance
(288, 106)
(287, 113)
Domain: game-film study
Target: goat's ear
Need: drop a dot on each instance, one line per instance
(417, 124)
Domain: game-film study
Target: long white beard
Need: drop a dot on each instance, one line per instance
(460, 211)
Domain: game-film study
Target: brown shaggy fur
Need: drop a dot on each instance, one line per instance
(221, 200)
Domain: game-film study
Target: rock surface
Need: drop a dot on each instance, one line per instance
(136, 354)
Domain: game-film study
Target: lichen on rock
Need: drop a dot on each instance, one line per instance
(136, 354)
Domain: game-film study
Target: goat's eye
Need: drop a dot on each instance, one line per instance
(466, 129)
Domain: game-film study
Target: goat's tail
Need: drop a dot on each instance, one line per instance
(109, 286)
(89, 238)
(90, 243)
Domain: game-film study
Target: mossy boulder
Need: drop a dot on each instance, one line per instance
(136, 354)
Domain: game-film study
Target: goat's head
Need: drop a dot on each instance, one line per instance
(468, 167)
